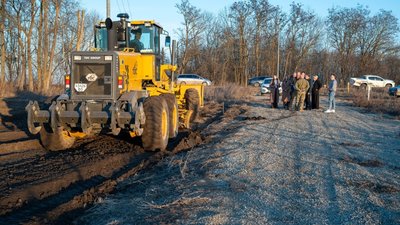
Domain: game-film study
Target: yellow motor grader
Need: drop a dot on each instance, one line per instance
(120, 85)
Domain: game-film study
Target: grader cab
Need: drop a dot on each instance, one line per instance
(120, 85)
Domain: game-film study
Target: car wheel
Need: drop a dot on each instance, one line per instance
(388, 86)
(363, 86)
(256, 84)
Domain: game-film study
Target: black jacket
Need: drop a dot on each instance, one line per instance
(316, 86)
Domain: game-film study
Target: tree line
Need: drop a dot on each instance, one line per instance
(36, 39)
(247, 38)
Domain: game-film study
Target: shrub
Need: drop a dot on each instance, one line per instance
(229, 92)
(379, 101)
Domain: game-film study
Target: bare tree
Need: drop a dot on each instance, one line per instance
(303, 33)
(190, 34)
(361, 41)
(3, 42)
(239, 13)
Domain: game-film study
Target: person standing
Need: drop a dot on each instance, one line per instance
(331, 96)
(286, 89)
(274, 86)
(293, 90)
(315, 92)
(308, 93)
(301, 88)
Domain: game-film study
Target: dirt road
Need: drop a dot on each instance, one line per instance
(39, 187)
(246, 163)
(268, 166)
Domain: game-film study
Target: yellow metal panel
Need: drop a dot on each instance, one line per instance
(135, 68)
(142, 22)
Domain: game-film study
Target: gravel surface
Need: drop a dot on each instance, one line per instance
(270, 166)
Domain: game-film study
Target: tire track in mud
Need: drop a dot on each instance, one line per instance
(70, 195)
(76, 178)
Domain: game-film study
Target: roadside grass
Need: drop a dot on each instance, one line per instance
(230, 92)
(8, 90)
(379, 102)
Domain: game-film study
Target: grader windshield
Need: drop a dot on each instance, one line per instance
(144, 37)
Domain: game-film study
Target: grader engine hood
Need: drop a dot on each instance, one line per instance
(94, 75)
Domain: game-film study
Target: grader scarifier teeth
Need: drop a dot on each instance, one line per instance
(86, 122)
(32, 110)
(114, 119)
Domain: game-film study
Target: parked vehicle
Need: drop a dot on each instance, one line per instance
(372, 80)
(395, 91)
(257, 81)
(192, 79)
(265, 86)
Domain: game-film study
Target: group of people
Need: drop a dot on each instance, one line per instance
(300, 92)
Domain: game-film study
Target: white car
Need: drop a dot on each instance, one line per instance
(265, 89)
(192, 79)
(372, 80)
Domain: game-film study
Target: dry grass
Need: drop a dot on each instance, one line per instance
(230, 92)
(379, 101)
(8, 90)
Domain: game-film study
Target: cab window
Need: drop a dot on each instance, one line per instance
(148, 37)
(101, 38)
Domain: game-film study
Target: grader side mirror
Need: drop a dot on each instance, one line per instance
(167, 41)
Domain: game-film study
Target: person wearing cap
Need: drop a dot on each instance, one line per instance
(136, 43)
(316, 86)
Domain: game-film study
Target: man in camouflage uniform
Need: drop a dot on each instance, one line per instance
(301, 87)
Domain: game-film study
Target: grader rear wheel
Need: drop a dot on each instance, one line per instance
(57, 140)
(173, 114)
(192, 105)
(156, 130)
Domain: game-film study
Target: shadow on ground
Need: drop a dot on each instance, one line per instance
(15, 118)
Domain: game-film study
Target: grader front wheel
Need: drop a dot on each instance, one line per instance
(56, 140)
(192, 99)
(156, 128)
(173, 114)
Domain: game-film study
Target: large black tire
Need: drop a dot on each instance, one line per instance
(192, 100)
(155, 130)
(55, 140)
(173, 114)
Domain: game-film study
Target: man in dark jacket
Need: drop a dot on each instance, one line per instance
(307, 100)
(293, 92)
(315, 92)
(274, 87)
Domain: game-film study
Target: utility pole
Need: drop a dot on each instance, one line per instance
(277, 63)
(108, 9)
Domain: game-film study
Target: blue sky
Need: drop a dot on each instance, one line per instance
(165, 12)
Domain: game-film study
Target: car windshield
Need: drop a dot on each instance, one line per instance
(267, 81)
